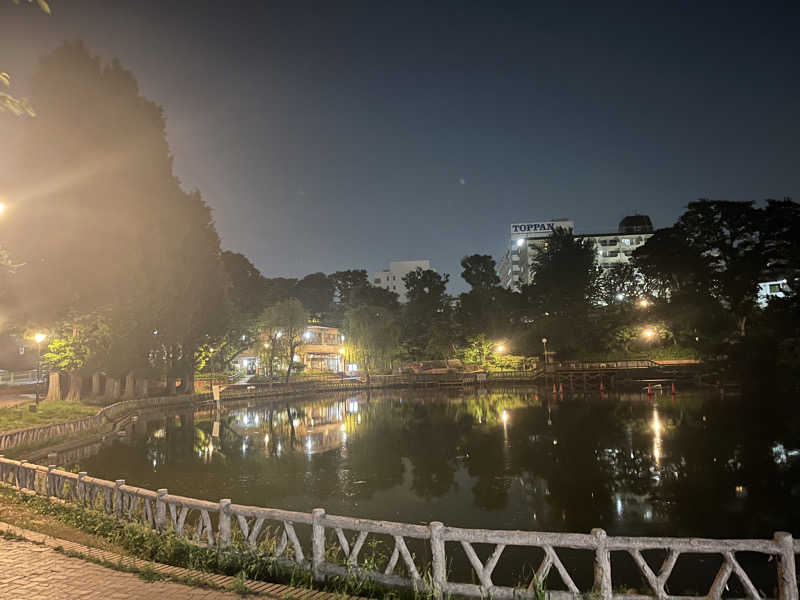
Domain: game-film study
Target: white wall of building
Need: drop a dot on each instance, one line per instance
(392, 278)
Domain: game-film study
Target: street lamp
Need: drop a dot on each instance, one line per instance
(544, 343)
(499, 348)
(38, 338)
(2, 208)
(643, 303)
(648, 333)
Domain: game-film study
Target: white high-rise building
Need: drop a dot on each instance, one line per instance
(525, 240)
(392, 278)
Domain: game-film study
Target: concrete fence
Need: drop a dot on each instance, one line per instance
(332, 545)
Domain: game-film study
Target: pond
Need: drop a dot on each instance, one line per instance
(690, 465)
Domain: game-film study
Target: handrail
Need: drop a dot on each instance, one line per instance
(225, 524)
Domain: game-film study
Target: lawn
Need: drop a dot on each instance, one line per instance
(19, 416)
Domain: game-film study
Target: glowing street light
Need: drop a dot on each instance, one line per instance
(500, 348)
(620, 297)
(643, 303)
(2, 208)
(544, 343)
(648, 333)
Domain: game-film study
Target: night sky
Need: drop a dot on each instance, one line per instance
(335, 135)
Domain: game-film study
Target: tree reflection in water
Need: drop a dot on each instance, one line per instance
(498, 458)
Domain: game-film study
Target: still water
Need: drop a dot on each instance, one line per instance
(514, 459)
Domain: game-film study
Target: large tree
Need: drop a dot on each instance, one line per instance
(315, 291)
(479, 271)
(560, 299)
(290, 318)
(372, 334)
(427, 329)
(100, 222)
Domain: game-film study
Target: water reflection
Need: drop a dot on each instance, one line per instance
(500, 459)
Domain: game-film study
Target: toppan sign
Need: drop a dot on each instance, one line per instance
(540, 229)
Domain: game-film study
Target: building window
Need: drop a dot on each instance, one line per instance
(774, 288)
(377, 281)
(626, 241)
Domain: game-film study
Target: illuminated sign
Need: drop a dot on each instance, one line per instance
(540, 229)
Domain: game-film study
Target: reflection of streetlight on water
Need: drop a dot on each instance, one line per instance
(656, 426)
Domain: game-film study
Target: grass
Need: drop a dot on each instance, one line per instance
(20, 417)
(24, 516)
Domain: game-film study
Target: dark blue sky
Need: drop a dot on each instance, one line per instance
(334, 135)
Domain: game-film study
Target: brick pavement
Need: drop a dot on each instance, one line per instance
(32, 572)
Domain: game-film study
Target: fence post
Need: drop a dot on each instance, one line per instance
(161, 509)
(224, 523)
(81, 487)
(439, 559)
(50, 484)
(118, 496)
(317, 544)
(602, 565)
(22, 475)
(787, 576)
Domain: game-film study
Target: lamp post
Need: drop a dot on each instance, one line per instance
(39, 338)
(544, 343)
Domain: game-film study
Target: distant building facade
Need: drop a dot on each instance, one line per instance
(772, 289)
(525, 240)
(515, 267)
(321, 349)
(392, 278)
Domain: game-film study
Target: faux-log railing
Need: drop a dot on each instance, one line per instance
(329, 550)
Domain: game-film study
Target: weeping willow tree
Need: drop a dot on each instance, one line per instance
(372, 335)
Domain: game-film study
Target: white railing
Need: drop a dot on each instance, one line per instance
(334, 546)
(41, 433)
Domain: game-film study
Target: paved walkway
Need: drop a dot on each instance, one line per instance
(7, 400)
(31, 572)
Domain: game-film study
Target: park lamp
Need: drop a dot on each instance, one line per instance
(648, 333)
(643, 303)
(39, 337)
(2, 208)
(500, 348)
